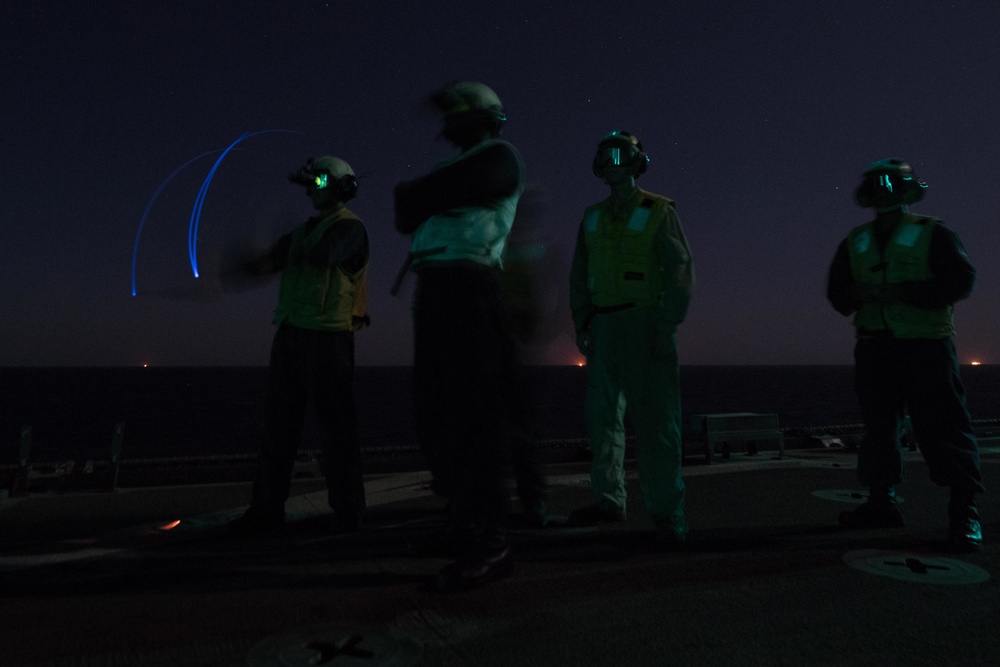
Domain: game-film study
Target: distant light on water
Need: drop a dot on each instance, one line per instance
(171, 525)
(975, 363)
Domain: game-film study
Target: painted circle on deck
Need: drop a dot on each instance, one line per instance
(853, 496)
(916, 567)
(323, 646)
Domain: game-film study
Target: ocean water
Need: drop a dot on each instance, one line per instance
(205, 411)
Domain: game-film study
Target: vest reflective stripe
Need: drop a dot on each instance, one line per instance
(313, 298)
(906, 258)
(640, 217)
(621, 258)
(477, 234)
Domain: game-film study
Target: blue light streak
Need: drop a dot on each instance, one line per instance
(149, 206)
(199, 201)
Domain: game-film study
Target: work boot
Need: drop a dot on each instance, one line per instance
(475, 571)
(881, 510)
(596, 515)
(671, 534)
(965, 533)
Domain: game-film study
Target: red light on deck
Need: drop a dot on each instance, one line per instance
(171, 525)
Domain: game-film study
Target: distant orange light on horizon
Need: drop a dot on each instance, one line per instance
(975, 363)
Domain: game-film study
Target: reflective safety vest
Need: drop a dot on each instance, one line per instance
(476, 233)
(622, 270)
(906, 258)
(321, 298)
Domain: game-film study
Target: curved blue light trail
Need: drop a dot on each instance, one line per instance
(200, 199)
(149, 206)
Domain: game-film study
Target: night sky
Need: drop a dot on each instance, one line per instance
(759, 118)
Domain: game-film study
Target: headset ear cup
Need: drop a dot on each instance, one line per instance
(861, 196)
(348, 187)
(498, 122)
(643, 163)
(914, 192)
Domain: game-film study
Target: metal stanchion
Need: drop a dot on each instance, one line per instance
(116, 450)
(19, 489)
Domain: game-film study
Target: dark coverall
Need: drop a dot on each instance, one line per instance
(465, 365)
(316, 365)
(919, 375)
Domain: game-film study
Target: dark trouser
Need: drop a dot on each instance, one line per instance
(529, 475)
(319, 366)
(463, 376)
(893, 376)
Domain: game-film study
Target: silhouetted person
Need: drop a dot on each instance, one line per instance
(527, 266)
(630, 286)
(321, 303)
(900, 275)
(459, 216)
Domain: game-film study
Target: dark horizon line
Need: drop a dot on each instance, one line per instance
(264, 366)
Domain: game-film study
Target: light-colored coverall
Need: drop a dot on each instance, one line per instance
(632, 361)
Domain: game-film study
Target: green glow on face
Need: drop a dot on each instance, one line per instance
(886, 182)
(616, 156)
(321, 181)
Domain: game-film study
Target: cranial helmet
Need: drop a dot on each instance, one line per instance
(472, 100)
(620, 148)
(888, 184)
(328, 173)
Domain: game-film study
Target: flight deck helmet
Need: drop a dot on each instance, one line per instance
(887, 184)
(620, 148)
(328, 173)
(469, 105)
